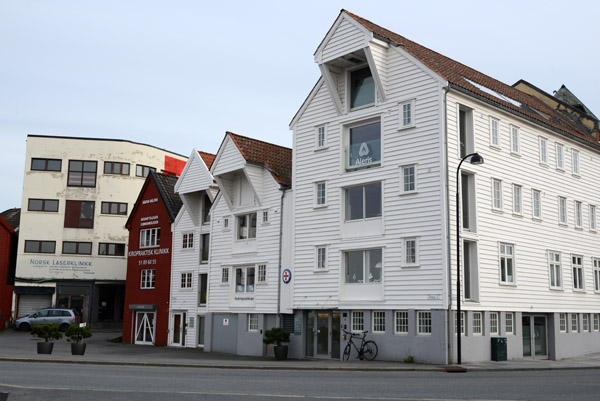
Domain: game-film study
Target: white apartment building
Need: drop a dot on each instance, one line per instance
(377, 144)
(77, 194)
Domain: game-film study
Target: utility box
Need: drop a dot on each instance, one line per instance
(499, 349)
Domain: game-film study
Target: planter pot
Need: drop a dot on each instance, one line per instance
(280, 352)
(44, 348)
(78, 348)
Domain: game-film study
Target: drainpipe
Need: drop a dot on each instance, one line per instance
(278, 321)
(449, 244)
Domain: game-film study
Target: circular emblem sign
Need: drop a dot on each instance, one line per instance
(286, 276)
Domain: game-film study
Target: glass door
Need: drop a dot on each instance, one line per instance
(144, 327)
(323, 334)
(535, 336)
(179, 329)
(526, 335)
(201, 324)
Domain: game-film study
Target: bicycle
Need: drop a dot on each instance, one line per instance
(367, 350)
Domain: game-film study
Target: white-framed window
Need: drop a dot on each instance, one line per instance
(554, 264)
(468, 201)
(575, 162)
(246, 226)
(253, 322)
(320, 193)
(407, 118)
(362, 88)
(378, 321)
(543, 151)
(265, 217)
(562, 319)
(509, 322)
(202, 289)
(560, 156)
(401, 318)
(408, 179)
(411, 251)
(226, 224)
(244, 279)
(596, 264)
(578, 214)
(261, 277)
(188, 241)
(363, 146)
(577, 268)
(494, 132)
(477, 323)
(147, 279)
(363, 201)
(321, 255)
(465, 131)
(596, 321)
(515, 147)
(205, 247)
(507, 264)
(592, 217)
(423, 322)
(496, 194)
(517, 199)
(206, 205)
(363, 267)
(150, 237)
(321, 141)
(462, 323)
(536, 204)
(358, 321)
(562, 210)
(586, 322)
(574, 322)
(186, 280)
(225, 275)
(493, 323)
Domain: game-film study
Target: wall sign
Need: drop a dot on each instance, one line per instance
(286, 276)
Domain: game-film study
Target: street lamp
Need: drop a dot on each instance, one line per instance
(475, 158)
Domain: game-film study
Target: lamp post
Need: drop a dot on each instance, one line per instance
(475, 158)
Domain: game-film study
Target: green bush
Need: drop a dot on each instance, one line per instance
(76, 333)
(276, 336)
(47, 331)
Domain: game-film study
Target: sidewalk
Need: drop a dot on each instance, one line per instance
(21, 346)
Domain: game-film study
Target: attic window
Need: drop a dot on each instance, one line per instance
(362, 88)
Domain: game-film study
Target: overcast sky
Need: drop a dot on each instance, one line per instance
(177, 74)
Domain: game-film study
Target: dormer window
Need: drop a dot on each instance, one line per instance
(362, 88)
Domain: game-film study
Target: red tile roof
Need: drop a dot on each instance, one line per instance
(277, 159)
(208, 158)
(459, 75)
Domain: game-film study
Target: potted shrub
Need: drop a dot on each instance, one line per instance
(75, 334)
(47, 332)
(276, 336)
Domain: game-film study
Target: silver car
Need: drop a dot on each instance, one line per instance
(62, 316)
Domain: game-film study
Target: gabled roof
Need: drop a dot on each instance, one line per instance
(12, 217)
(165, 184)
(276, 159)
(481, 85)
(208, 158)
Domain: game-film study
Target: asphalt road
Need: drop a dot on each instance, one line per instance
(42, 381)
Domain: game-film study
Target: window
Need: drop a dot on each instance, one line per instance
(507, 261)
(147, 279)
(465, 130)
(562, 322)
(509, 320)
(265, 216)
(362, 88)
(423, 322)
(493, 323)
(462, 323)
(253, 322)
(494, 132)
(470, 271)
(577, 265)
(202, 289)
(225, 223)
(79, 214)
(186, 280)
(246, 226)
(592, 218)
(262, 274)
(321, 137)
(363, 266)
(401, 322)
(321, 257)
(187, 241)
(43, 205)
(114, 208)
(543, 151)
(477, 323)
(596, 321)
(364, 146)
(596, 263)
(116, 168)
(76, 248)
(143, 171)
(204, 252)
(497, 194)
(536, 204)
(468, 199)
(560, 160)
(378, 321)
(244, 279)
(320, 194)
(111, 249)
(225, 275)
(575, 162)
(363, 202)
(562, 210)
(410, 251)
(46, 164)
(408, 179)
(578, 214)
(517, 199)
(514, 140)
(150, 237)
(586, 322)
(82, 173)
(358, 321)
(574, 322)
(555, 269)
(206, 205)
(406, 114)
(32, 246)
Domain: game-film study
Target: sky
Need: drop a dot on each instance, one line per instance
(177, 74)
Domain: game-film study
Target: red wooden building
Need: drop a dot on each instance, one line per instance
(9, 225)
(149, 261)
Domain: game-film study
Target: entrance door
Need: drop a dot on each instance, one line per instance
(534, 336)
(323, 334)
(144, 327)
(201, 325)
(179, 327)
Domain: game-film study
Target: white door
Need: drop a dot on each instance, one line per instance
(179, 328)
(144, 327)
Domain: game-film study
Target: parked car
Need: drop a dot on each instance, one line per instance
(62, 316)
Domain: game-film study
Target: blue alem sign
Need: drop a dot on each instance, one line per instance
(286, 276)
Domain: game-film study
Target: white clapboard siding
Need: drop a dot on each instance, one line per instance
(184, 260)
(195, 177)
(347, 38)
(379, 52)
(255, 178)
(228, 159)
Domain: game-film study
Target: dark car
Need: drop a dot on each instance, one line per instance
(62, 316)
